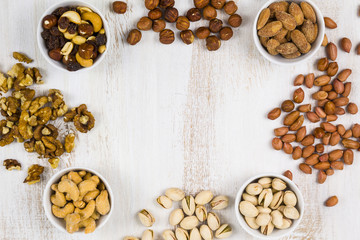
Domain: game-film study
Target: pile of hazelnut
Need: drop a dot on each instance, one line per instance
(75, 36)
(163, 11)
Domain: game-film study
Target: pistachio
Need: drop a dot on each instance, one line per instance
(219, 202)
(176, 216)
(195, 234)
(263, 219)
(224, 231)
(265, 197)
(290, 198)
(206, 232)
(263, 210)
(277, 218)
(247, 209)
(277, 200)
(164, 201)
(278, 184)
(213, 221)
(189, 222)
(291, 212)
(285, 224)
(168, 235)
(254, 189)
(148, 235)
(265, 182)
(201, 213)
(181, 234)
(203, 197)
(251, 222)
(175, 194)
(250, 198)
(188, 205)
(268, 229)
(146, 218)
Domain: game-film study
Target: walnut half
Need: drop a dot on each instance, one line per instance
(12, 164)
(34, 173)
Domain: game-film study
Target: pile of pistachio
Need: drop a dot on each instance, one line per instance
(269, 204)
(191, 220)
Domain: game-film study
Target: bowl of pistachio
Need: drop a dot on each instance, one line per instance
(269, 206)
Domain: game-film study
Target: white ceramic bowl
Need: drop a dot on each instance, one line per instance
(278, 59)
(41, 43)
(60, 223)
(276, 233)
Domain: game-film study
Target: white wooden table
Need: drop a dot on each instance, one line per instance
(175, 116)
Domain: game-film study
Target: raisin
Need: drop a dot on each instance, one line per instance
(46, 34)
(64, 23)
(60, 11)
(72, 29)
(62, 41)
(75, 49)
(55, 31)
(52, 43)
(73, 66)
(101, 39)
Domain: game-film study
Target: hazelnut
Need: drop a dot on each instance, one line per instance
(215, 25)
(182, 23)
(218, 4)
(226, 33)
(213, 43)
(193, 15)
(167, 36)
(144, 24)
(134, 37)
(119, 7)
(86, 30)
(202, 32)
(86, 50)
(167, 3)
(151, 4)
(201, 3)
(155, 14)
(49, 21)
(55, 54)
(235, 20)
(230, 7)
(209, 12)
(171, 14)
(159, 25)
(187, 36)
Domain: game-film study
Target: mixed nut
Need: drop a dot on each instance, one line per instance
(268, 203)
(162, 12)
(191, 220)
(287, 29)
(74, 36)
(80, 198)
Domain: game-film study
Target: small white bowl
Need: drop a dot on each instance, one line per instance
(60, 223)
(41, 43)
(278, 59)
(276, 233)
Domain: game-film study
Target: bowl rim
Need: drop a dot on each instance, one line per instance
(281, 60)
(47, 193)
(291, 185)
(43, 49)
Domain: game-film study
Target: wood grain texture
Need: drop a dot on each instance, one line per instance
(175, 116)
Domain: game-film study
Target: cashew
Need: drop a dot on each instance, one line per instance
(72, 16)
(91, 195)
(89, 225)
(84, 62)
(95, 215)
(69, 187)
(103, 203)
(72, 222)
(62, 212)
(70, 36)
(79, 204)
(83, 9)
(87, 176)
(78, 40)
(75, 177)
(64, 177)
(82, 173)
(87, 186)
(86, 212)
(58, 198)
(94, 18)
(67, 197)
(102, 49)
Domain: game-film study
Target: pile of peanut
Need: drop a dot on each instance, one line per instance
(80, 198)
(186, 220)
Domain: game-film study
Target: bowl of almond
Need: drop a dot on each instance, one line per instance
(287, 33)
(269, 206)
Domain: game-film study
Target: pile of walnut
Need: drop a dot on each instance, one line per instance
(80, 198)
(332, 101)
(27, 118)
(162, 11)
(75, 36)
